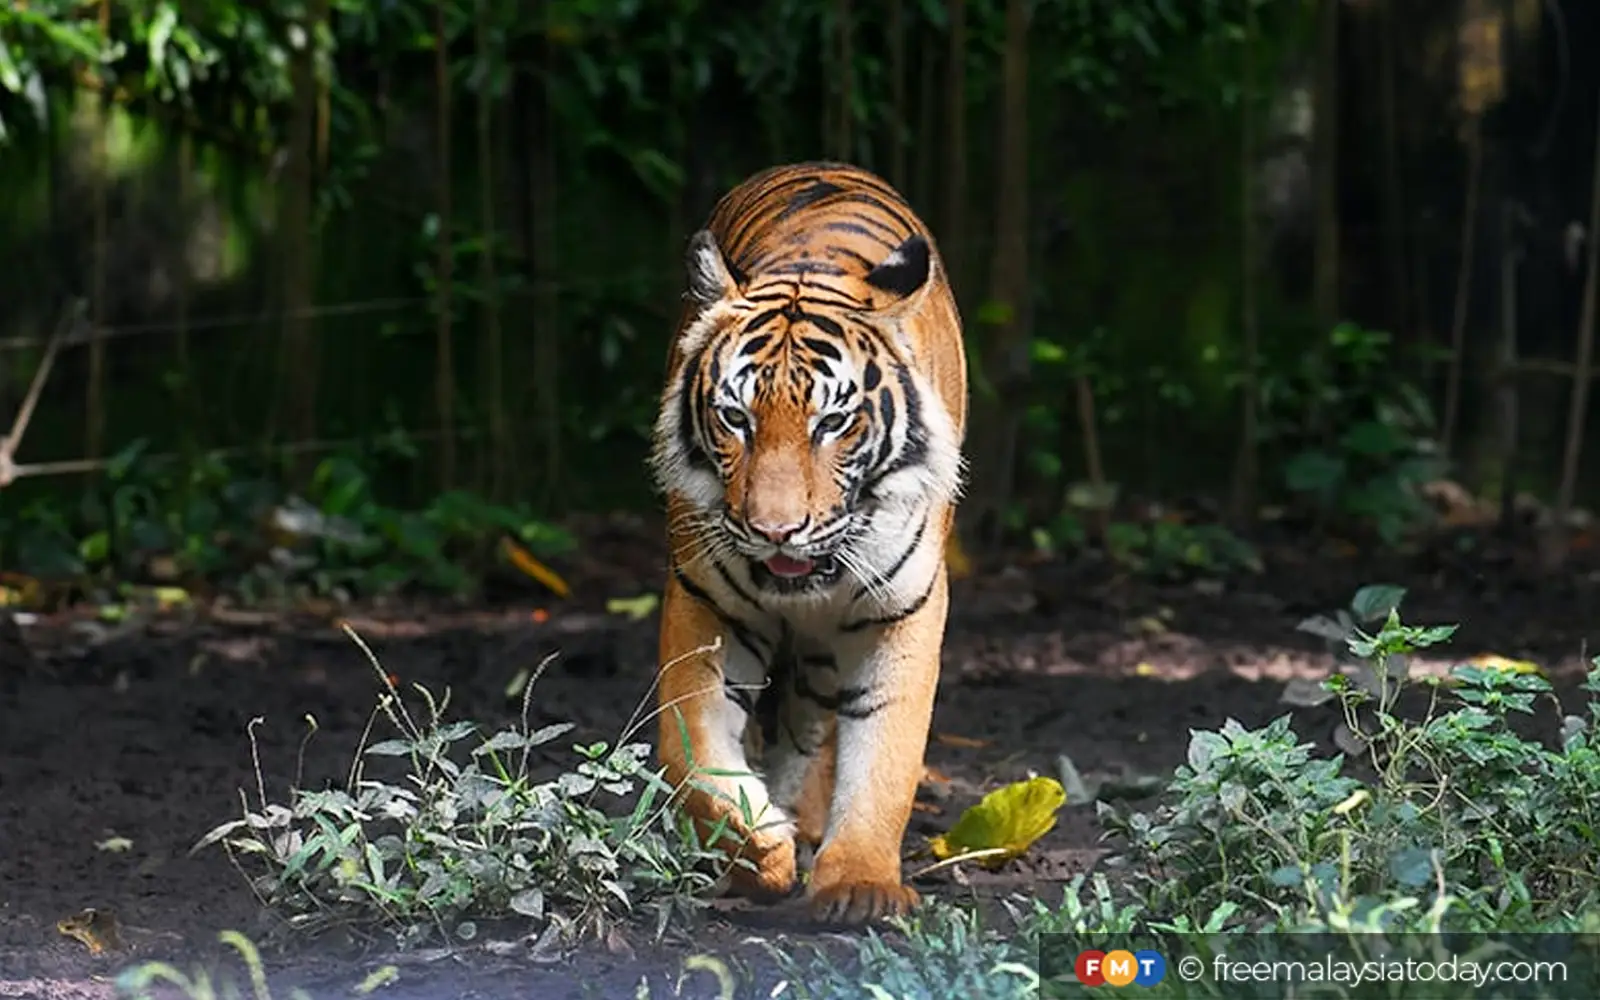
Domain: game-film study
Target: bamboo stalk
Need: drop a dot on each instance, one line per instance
(1458, 320)
(444, 387)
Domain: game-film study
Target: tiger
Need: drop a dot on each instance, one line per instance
(809, 447)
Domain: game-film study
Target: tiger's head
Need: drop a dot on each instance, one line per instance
(797, 427)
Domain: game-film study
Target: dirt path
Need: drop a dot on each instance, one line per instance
(142, 736)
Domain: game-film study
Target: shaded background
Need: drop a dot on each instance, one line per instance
(442, 242)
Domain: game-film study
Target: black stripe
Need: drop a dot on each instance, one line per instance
(850, 706)
(858, 229)
(826, 348)
(826, 324)
(817, 191)
(905, 557)
(691, 430)
(886, 418)
(915, 451)
(743, 634)
(738, 591)
(890, 619)
(872, 200)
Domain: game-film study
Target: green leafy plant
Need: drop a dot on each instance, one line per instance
(1173, 550)
(1463, 824)
(468, 831)
(1354, 434)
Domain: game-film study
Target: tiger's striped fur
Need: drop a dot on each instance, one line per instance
(809, 446)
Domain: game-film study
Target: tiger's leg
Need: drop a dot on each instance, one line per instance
(705, 695)
(800, 762)
(885, 709)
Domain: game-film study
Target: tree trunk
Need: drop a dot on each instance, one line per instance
(542, 201)
(843, 142)
(1325, 166)
(952, 242)
(444, 386)
(1394, 217)
(298, 359)
(898, 117)
(493, 371)
(95, 405)
(1245, 470)
(1554, 550)
(189, 393)
(927, 123)
(997, 415)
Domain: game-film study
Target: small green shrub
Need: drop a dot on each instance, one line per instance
(1355, 436)
(469, 833)
(1465, 825)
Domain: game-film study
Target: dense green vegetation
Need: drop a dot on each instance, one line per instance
(323, 224)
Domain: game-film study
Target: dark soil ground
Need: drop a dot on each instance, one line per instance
(140, 733)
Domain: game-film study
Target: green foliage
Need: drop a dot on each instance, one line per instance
(1173, 550)
(1354, 433)
(233, 524)
(1464, 824)
(468, 831)
(940, 952)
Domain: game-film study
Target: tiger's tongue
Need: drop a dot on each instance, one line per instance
(782, 565)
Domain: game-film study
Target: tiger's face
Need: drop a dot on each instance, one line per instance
(795, 428)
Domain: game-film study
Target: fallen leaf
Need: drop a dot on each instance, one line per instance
(114, 845)
(524, 561)
(965, 742)
(926, 807)
(540, 616)
(934, 776)
(1505, 665)
(1005, 823)
(97, 929)
(383, 975)
(636, 608)
(1147, 625)
(1144, 670)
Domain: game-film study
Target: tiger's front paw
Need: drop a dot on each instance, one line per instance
(841, 896)
(774, 874)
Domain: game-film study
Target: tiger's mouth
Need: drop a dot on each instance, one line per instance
(790, 574)
(788, 566)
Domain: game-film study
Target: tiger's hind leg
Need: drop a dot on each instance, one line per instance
(705, 699)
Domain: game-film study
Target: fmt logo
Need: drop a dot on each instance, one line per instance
(1119, 968)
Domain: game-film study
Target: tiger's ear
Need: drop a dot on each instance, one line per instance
(710, 278)
(906, 274)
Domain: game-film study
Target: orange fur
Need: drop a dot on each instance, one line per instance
(809, 449)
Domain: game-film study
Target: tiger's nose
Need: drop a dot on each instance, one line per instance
(777, 534)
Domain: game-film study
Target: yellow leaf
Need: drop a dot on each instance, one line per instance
(382, 976)
(636, 608)
(1144, 670)
(1494, 661)
(1005, 824)
(170, 597)
(524, 561)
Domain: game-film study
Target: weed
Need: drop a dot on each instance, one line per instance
(135, 981)
(470, 833)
